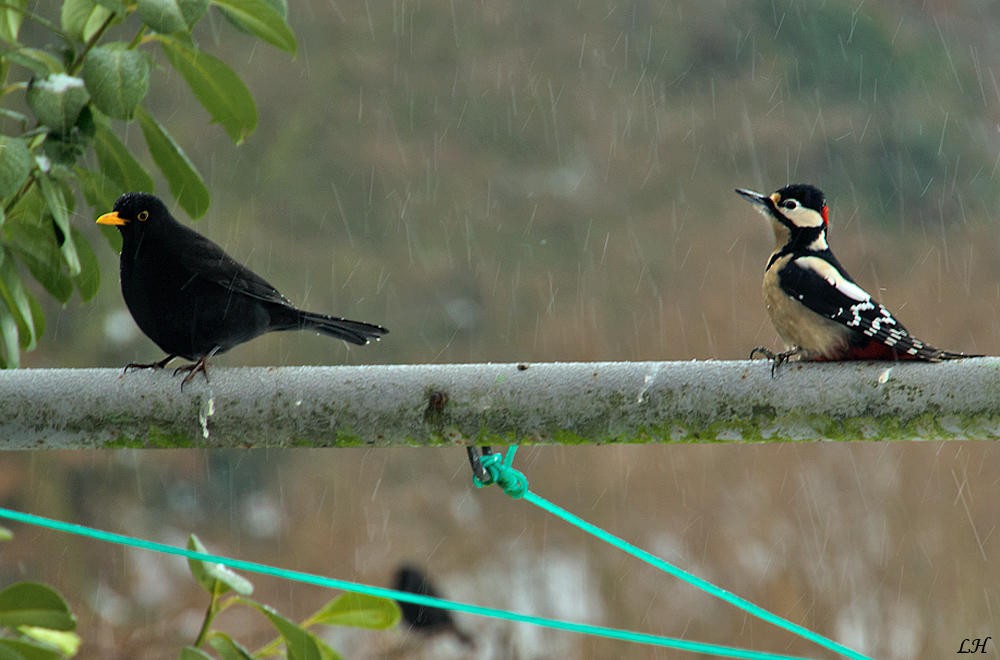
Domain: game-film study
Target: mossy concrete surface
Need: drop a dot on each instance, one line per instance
(564, 403)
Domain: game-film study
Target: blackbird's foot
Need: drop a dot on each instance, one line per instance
(200, 366)
(777, 359)
(152, 365)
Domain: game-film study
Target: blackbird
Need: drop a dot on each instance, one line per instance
(194, 300)
(428, 620)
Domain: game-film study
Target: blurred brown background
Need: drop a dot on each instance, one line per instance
(515, 180)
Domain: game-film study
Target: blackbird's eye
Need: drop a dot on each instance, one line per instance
(143, 215)
(790, 204)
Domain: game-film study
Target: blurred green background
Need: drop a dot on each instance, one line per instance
(511, 180)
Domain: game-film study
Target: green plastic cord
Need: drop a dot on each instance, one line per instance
(515, 484)
(427, 601)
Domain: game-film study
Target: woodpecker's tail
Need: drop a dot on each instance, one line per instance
(904, 347)
(937, 355)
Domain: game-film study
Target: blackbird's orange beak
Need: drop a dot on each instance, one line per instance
(111, 219)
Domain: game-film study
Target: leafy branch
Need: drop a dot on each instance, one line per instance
(35, 621)
(349, 609)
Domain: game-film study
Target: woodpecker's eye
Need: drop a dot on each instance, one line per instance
(790, 204)
(143, 215)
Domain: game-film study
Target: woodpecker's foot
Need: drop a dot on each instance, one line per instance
(770, 355)
(777, 359)
(152, 365)
(193, 368)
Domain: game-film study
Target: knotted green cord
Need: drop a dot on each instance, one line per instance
(506, 476)
(513, 482)
(427, 601)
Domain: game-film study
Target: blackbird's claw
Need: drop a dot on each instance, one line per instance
(201, 364)
(193, 368)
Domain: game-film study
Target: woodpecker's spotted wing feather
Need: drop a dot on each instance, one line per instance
(820, 284)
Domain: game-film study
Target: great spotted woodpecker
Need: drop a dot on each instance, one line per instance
(817, 309)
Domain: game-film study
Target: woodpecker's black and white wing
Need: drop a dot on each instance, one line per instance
(822, 286)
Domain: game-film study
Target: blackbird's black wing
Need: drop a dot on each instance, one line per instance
(822, 286)
(210, 262)
(204, 261)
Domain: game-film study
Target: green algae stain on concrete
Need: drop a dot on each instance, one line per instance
(161, 439)
(124, 442)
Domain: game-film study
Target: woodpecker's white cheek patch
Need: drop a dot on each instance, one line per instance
(803, 217)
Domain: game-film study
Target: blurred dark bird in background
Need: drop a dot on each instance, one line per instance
(426, 620)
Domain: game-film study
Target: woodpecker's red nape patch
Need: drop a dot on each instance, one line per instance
(826, 215)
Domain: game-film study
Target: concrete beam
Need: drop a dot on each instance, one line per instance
(562, 403)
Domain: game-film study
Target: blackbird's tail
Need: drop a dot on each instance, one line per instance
(355, 332)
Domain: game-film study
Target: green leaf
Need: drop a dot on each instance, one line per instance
(191, 653)
(81, 19)
(260, 19)
(29, 208)
(31, 234)
(57, 100)
(99, 190)
(9, 654)
(38, 61)
(66, 148)
(227, 647)
(11, 17)
(33, 604)
(5, 534)
(166, 16)
(325, 651)
(89, 279)
(299, 644)
(359, 611)
(67, 643)
(117, 163)
(15, 648)
(215, 578)
(216, 86)
(14, 295)
(117, 79)
(15, 165)
(8, 331)
(56, 202)
(37, 315)
(36, 247)
(185, 183)
(116, 6)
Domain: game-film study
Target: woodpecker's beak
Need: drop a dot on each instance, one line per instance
(754, 197)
